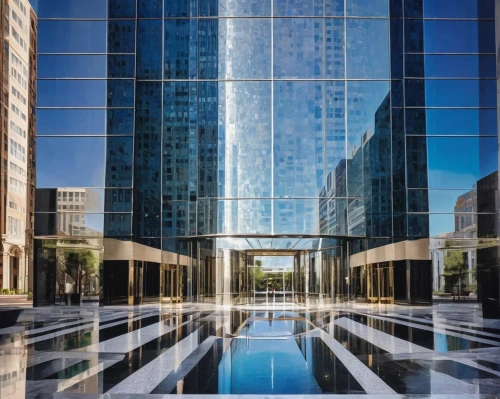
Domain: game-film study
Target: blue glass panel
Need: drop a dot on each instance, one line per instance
(71, 66)
(459, 36)
(118, 200)
(208, 136)
(296, 216)
(120, 121)
(245, 124)
(250, 8)
(70, 162)
(117, 224)
(71, 9)
(121, 66)
(476, 122)
(446, 201)
(460, 66)
(308, 116)
(416, 162)
(367, 125)
(244, 48)
(459, 9)
(119, 153)
(149, 8)
(368, 48)
(179, 141)
(121, 8)
(397, 41)
(396, 8)
(180, 49)
(149, 39)
(413, 8)
(415, 92)
(70, 121)
(461, 93)
(121, 36)
(244, 216)
(313, 8)
(62, 93)
(207, 8)
(207, 48)
(181, 8)
(147, 160)
(71, 36)
(414, 36)
(120, 93)
(308, 48)
(459, 162)
(367, 8)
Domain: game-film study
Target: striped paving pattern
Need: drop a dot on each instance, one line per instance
(202, 350)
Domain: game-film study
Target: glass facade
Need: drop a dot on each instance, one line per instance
(340, 133)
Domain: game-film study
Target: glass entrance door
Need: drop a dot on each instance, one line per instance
(172, 287)
(380, 283)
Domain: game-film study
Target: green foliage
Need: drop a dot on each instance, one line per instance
(30, 295)
(77, 263)
(5, 291)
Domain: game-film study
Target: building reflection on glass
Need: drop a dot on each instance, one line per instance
(211, 134)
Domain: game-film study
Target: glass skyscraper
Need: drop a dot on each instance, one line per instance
(187, 146)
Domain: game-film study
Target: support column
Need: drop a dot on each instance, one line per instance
(6, 271)
(408, 281)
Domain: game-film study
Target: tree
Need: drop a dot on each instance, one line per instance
(80, 263)
(258, 274)
(454, 266)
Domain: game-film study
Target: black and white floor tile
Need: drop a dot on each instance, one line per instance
(203, 350)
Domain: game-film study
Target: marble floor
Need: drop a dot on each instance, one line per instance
(203, 351)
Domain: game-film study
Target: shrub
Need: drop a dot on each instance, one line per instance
(30, 295)
(5, 291)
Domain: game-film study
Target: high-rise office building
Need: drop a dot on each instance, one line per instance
(18, 35)
(332, 135)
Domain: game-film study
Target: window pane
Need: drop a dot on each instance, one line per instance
(459, 162)
(71, 36)
(244, 216)
(313, 8)
(120, 121)
(307, 116)
(181, 8)
(461, 93)
(248, 8)
(71, 93)
(121, 36)
(296, 216)
(118, 200)
(459, 36)
(180, 49)
(70, 121)
(460, 66)
(246, 121)
(245, 48)
(367, 110)
(121, 66)
(71, 9)
(70, 162)
(367, 8)
(72, 66)
(149, 8)
(121, 93)
(149, 39)
(308, 48)
(477, 122)
(450, 201)
(368, 48)
(459, 9)
(122, 8)
(119, 153)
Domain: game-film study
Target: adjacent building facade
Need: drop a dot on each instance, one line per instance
(337, 134)
(18, 61)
